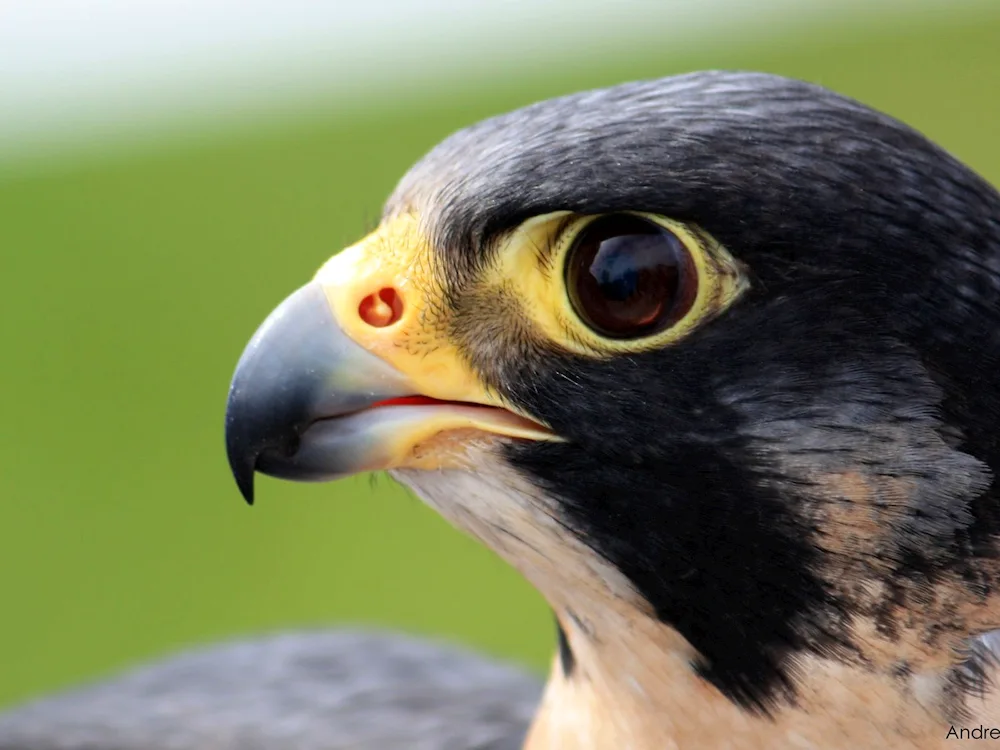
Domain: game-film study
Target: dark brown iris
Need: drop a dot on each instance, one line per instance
(628, 277)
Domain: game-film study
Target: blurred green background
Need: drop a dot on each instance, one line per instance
(130, 285)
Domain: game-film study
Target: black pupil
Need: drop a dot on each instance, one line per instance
(629, 277)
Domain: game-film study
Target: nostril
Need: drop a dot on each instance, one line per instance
(381, 309)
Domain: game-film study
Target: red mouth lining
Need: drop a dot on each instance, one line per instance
(417, 401)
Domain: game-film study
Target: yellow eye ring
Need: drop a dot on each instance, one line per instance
(654, 287)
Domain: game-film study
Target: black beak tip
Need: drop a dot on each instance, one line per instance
(242, 460)
(243, 468)
(244, 481)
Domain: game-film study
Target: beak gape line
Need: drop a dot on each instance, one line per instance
(309, 402)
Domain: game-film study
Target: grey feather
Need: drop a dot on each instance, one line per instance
(329, 690)
(977, 673)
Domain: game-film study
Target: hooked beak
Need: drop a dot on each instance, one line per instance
(310, 402)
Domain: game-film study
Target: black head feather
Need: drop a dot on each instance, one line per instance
(834, 429)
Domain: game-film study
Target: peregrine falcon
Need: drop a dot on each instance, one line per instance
(711, 360)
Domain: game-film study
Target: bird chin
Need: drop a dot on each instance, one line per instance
(475, 488)
(504, 509)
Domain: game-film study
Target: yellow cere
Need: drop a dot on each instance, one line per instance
(397, 255)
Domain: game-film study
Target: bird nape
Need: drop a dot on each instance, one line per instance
(712, 361)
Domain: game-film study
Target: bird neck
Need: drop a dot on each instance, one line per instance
(632, 683)
(634, 686)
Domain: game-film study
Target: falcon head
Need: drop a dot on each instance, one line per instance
(712, 360)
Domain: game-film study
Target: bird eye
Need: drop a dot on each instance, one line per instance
(628, 277)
